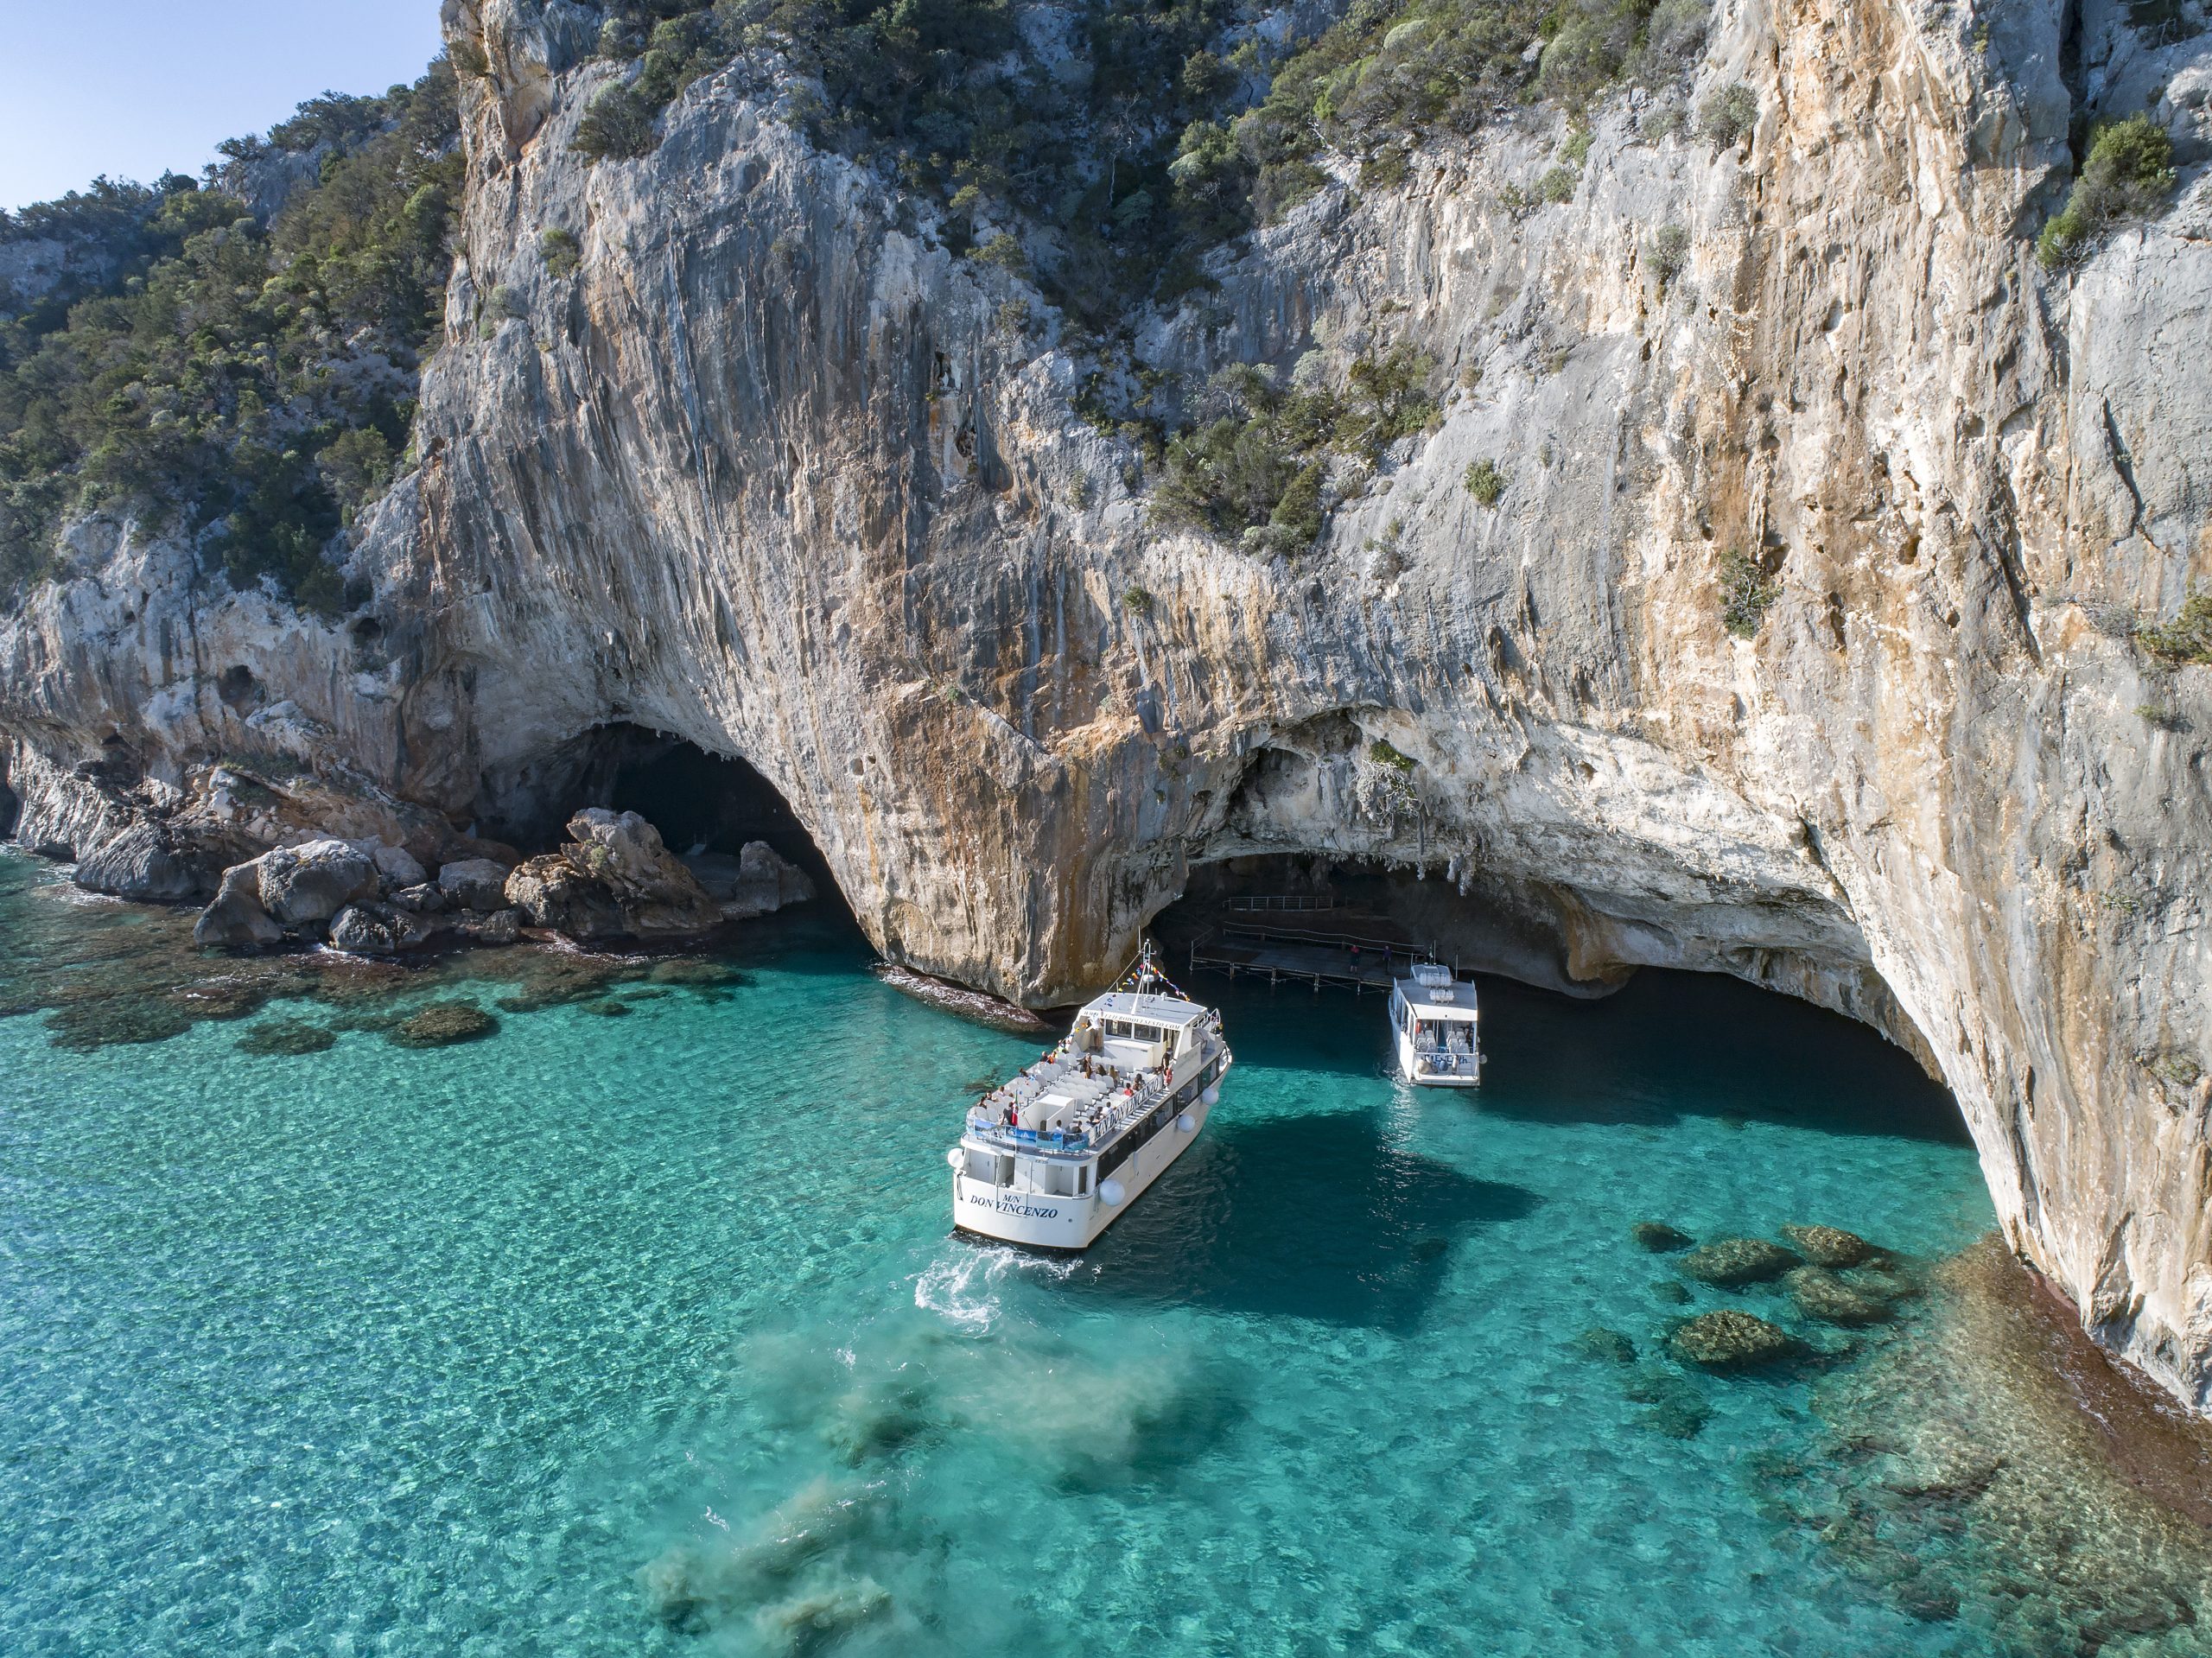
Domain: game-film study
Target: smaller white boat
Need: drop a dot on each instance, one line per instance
(1053, 1157)
(1433, 1017)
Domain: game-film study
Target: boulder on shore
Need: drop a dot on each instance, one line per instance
(140, 864)
(397, 867)
(237, 917)
(613, 878)
(1733, 1261)
(475, 883)
(314, 881)
(379, 930)
(758, 881)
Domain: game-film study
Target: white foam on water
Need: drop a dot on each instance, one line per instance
(944, 1288)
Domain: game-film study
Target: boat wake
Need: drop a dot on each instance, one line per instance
(964, 1288)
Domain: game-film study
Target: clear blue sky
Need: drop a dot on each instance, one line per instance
(132, 88)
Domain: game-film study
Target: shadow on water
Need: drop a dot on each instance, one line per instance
(1676, 1044)
(1313, 1216)
(1668, 1045)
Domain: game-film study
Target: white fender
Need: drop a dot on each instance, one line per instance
(1187, 1123)
(952, 1158)
(1211, 1096)
(1111, 1192)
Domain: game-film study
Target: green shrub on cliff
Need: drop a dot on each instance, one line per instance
(1257, 469)
(2187, 637)
(1727, 116)
(219, 373)
(2128, 173)
(1746, 592)
(617, 124)
(1484, 482)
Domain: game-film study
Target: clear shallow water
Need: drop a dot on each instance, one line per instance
(644, 1335)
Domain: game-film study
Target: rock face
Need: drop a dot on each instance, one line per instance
(766, 472)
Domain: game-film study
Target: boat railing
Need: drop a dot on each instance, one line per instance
(1124, 1111)
(1445, 1062)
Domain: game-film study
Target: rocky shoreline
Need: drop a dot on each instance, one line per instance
(297, 861)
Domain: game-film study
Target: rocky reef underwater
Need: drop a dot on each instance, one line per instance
(105, 972)
(1977, 1462)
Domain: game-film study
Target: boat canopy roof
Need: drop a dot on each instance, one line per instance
(1171, 1011)
(1431, 999)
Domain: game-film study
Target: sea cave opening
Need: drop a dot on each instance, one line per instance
(1257, 932)
(700, 802)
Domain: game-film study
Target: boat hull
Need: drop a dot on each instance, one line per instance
(1038, 1221)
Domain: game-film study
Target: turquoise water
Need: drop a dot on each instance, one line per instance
(644, 1335)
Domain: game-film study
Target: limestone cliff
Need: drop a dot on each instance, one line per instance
(771, 472)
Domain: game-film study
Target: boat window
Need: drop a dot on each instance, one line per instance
(1082, 1181)
(1117, 1028)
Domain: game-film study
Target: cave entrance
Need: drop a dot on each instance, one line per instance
(700, 802)
(1647, 1045)
(1388, 910)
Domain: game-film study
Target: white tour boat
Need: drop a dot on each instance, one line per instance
(1052, 1157)
(1433, 1017)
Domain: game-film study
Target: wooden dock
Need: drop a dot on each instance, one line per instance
(1334, 947)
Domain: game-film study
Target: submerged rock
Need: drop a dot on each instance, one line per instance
(289, 1039)
(1734, 1262)
(1885, 1277)
(816, 1618)
(695, 974)
(1677, 1408)
(1829, 1246)
(1659, 1237)
(118, 1021)
(443, 1023)
(551, 980)
(1821, 1295)
(1672, 1290)
(1729, 1340)
(1599, 1343)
